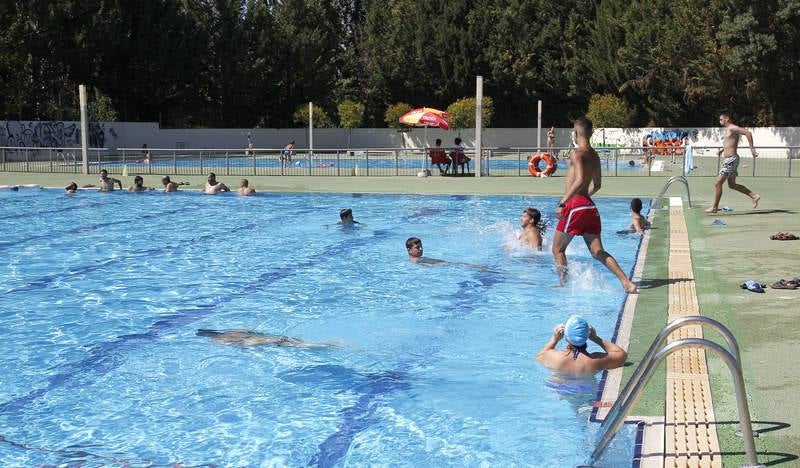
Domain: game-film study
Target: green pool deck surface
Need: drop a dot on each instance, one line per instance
(766, 325)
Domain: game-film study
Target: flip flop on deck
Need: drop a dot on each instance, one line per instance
(754, 286)
(783, 284)
(784, 236)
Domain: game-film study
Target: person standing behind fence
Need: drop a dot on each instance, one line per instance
(551, 141)
(730, 165)
(286, 154)
(146, 154)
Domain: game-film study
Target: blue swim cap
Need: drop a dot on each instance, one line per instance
(576, 330)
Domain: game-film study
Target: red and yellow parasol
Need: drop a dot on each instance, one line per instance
(426, 117)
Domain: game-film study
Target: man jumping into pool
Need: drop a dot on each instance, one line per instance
(577, 213)
(246, 339)
(730, 165)
(575, 359)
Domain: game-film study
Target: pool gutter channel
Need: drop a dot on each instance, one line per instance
(649, 443)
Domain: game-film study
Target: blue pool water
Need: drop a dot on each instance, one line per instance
(103, 294)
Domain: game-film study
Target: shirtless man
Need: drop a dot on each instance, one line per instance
(246, 339)
(169, 186)
(415, 251)
(730, 165)
(138, 185)
(107, 183)
(575, 359)
(532, 228)
(286, 154)
(576, 211)
(638, 222)
(346, 218)
(245, 189)
(213, 186)
(551, 140)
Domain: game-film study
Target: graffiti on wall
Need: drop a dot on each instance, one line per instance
(33, 134)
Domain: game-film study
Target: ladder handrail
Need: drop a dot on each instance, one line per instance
(656, 202)
(734, 366)
(662, 336)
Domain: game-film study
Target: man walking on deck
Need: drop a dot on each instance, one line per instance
(576, 211)
(730, 165)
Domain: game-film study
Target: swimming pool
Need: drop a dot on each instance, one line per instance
(104, 293)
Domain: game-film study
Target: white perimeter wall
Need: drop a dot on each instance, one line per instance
(114, 135)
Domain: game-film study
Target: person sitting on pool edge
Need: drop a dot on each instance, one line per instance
(213, 186)
(638, 223)
(575, 359)
(107, 183)
(532, 228)
(138, 185)
(245, 189)
(246, 339)
(346, 218)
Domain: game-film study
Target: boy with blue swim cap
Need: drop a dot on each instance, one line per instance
(575, 359)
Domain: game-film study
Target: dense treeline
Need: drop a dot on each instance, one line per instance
(247, 63)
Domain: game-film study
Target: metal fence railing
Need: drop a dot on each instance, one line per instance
(497, 162)
(52, 160)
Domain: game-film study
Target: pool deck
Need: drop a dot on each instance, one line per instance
(722, 257)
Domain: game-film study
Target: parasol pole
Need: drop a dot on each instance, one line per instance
(479, 126)
(425, 149)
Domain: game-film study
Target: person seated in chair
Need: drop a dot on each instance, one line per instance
(458, 157)
(439, 157)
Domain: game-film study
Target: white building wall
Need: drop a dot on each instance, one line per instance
(114, 135)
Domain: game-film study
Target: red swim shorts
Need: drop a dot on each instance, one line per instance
(579, 217)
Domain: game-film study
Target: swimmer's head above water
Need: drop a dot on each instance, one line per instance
(71, 188)
(636, 205)
(576, 334)
(532, 217)
(346, 215)
(414, 248)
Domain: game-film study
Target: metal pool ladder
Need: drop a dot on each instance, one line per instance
(652, 359)
(656, 202)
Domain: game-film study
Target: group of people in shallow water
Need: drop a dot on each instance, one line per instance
(577, 215)
(211, 186)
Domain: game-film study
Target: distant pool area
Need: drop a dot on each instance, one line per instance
(104, 294)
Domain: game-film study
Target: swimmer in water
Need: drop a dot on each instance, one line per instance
(415, 251)
(213, 186)
(247, 339)
(346, 218)
(138, 185)
(575, 359)
(638, 223)
(532, 228)
(245, 189)
(71, 189)
(107, 183)
(169, 185)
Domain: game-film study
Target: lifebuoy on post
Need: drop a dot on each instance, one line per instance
(550, 165)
